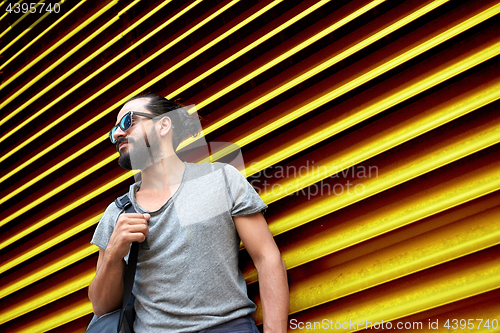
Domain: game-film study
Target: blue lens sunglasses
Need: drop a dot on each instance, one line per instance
(127, 121)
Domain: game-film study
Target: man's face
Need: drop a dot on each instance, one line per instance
(137, 144)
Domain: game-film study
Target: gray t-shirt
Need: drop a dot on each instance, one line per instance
(189, 279)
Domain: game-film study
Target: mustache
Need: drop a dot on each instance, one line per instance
(117, 144)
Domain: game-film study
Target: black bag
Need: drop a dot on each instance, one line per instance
(121, 319)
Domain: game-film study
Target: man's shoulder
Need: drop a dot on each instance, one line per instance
(112, 210)
(208, 172)
(204, 169)
(208, 167)
(212, 175)
(106, 225)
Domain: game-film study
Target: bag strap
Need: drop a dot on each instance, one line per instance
(123, 202)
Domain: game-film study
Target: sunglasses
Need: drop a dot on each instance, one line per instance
(127, 121)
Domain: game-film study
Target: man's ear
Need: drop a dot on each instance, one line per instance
(165, 125)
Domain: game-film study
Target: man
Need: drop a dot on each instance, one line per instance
(192, 217)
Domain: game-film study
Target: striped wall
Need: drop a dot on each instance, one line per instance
(370, 128)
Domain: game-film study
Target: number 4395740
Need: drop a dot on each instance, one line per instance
(471, 324)
(33, 8)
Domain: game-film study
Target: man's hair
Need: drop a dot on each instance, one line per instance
(184, 124)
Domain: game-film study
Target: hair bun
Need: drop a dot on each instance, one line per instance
(184, 124)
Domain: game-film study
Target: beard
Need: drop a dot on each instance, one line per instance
(124, 161)
(143, 154)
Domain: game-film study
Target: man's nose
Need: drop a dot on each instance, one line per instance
(119, 133)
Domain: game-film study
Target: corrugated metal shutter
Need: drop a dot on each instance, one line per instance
(371, 128)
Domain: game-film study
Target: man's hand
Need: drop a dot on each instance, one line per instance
(130, 227)
(106, 290)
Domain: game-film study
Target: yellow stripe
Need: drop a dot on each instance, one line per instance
(13, 262)
(63, 316)
(1, 17)
(164, 74)
(67, 114)
(295, 185)
(81, 105)
(65, 138)
(482, 237)
(327, 204)
(76, 68)
(215, 41)
(370, 74)
(344, 88)
(489, 310)
(56, 45)
(475, 284)
(381, 103)
(405, 212)
(108, 86)
(52, 169)
(289, 53)
(60, 263)
(407, 92)
(5, 156)
(404, 258)
(426, 121)
(29, 28)
(384, 221)
(58, 62)
(18, 20)
(58, 189)
(354, 82)
(171, 69)
(41, 35)
(61, 212)
(339, 57)
(57, 292)
(477, 141)
(406, 299)
(247, 48)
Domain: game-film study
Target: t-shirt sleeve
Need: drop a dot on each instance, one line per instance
(244, 198)
(106, 226)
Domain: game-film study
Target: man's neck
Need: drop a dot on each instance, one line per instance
(163, 174)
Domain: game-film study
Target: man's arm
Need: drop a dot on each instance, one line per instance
(106, 290)
(273, 284)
